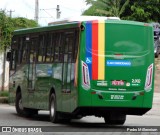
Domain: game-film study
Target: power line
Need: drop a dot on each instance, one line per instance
(48, 9)
(58, 12)
(47, 12)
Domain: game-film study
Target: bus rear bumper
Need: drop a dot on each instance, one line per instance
(102, 111)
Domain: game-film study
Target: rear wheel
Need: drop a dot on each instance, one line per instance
(19, 106)
(115, 119)
(54, 116)
(24, 111)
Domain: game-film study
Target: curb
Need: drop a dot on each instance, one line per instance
(3, 100)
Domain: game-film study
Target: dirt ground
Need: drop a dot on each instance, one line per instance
(157, 75)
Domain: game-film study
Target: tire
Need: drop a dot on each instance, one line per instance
(18, 105)
(115, 119)
(54, 116)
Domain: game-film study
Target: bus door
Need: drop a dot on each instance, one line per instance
(67, 69)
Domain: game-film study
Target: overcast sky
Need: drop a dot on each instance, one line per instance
(47, 8)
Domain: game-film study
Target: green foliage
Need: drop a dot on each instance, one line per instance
(5, 30)
(138, 10)
(8, 25)
(21, 22)
(92, 11)
(144, 11)
(4, 93)
(106, 7)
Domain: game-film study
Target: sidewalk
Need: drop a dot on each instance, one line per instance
(3, 100)
(156, 105)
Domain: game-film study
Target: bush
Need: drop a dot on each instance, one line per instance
(4, 93)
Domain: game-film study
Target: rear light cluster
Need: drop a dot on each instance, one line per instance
(149, 77)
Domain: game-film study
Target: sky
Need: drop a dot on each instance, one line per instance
(47, 9)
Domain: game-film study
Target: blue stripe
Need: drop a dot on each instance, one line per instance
(89, 47)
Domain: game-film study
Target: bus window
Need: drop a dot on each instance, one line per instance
(14, 54)
(40, 56)
(48, 53)
(58, 52)
(33, 49)
(67, 65)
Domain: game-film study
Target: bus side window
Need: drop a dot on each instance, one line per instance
(58, 51)
(14, 54)
(13, 60)
(75, 46)
(41, 55)
(33, 47)
(48, 48)
(67, 66)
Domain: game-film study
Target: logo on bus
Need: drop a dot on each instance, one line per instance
(85, 76)
(118, 82)
(88, 60)
(149, 77)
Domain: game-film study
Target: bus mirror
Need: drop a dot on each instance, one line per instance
(82, 27)
(8, 56)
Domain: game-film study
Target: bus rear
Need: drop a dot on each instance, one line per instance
(116, 69)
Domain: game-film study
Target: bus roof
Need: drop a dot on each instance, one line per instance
(82, 18)
(47, 28)
(76, 24)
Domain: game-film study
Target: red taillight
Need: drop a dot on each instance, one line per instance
(149, 77)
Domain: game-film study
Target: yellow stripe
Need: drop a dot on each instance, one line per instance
(101, 50)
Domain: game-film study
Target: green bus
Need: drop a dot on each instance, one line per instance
(101, 67)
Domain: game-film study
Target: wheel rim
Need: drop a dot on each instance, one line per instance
(20, 104)
(52, 108)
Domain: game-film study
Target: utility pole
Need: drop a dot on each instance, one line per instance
(36, 10)
(58, 12)
(10, 13)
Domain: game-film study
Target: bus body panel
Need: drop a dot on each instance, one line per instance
(38, 79)
(116, 76)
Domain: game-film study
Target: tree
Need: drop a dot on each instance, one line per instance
(6, 29)
(144, 11)
(8, 25)
(107, 7)
(21, 22)
(137, 10)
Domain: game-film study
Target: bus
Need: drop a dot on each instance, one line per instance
(102, 67)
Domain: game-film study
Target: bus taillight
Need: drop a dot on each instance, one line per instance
(149, 77)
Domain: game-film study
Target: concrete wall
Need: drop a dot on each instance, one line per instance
(6, 79)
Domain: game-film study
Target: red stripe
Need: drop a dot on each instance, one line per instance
(95, 50)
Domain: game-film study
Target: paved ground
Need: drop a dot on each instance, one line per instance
(156, 100)
(156, 105)
(157, 76)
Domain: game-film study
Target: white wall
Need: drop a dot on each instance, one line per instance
(6, 81)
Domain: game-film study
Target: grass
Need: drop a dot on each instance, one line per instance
(4, 93)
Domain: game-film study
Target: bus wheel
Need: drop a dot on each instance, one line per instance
(53, 109)
(115, 119)
(19, 106)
